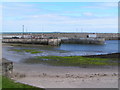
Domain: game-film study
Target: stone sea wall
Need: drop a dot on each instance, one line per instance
(107, 36)
(52, 42)
(84, 41)
(7, 68)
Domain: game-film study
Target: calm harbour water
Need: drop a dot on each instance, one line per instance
(110, 46)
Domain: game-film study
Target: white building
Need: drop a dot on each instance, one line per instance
(92, 36)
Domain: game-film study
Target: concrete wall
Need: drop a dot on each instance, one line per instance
(107, 36)
(7, 68)
(53, 42)
(85, 41)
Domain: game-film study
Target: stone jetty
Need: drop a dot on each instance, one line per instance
(107, 36)
(84, 41)
(58, 38)
(52, 42)
(56, 42)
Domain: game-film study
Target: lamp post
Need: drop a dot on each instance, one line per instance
(23, 31)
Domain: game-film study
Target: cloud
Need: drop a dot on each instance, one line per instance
(1, 17)
(103, 5)
(18, 9)
(111, 4)
(88, 14)
(35, 18)
(1, 6)
(51, 22)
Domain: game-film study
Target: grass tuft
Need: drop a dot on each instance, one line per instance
(32, 51)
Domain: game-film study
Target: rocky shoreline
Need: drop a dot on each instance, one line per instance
(111, 55)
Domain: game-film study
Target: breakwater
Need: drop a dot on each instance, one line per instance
(107, 36)
(84, 41)
(53, 42)
(58, 38)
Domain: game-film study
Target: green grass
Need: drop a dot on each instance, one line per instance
(71, 61)
(37, 46)
(32, 51)
(23, 45)
(8, 83)
(0, 81)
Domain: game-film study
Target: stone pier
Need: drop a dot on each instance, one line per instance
(53, 42)
(84, 41)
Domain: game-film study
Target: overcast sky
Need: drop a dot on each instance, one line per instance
(60, 17)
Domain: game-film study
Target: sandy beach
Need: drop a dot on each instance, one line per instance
(46, 76)
(66, 77)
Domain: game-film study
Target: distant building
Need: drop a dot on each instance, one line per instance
(62, 37)
(91, 36)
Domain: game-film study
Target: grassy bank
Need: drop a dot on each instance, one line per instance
(0, 81)
(8, 83)
(32, 51)
(71, 61)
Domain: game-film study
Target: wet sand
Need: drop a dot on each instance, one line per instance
(66, 77)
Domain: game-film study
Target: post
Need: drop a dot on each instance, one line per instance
(23, 31)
